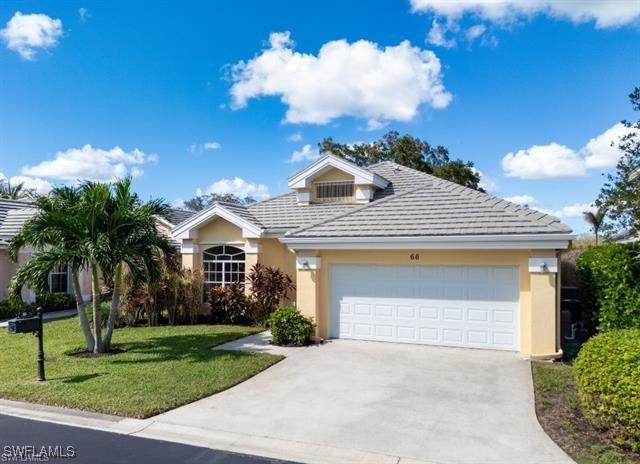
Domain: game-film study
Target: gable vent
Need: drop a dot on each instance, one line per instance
(334, 191)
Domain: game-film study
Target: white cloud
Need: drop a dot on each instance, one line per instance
(200, 148)
(239, 187)
(543, 162)
(295, 137)
(374, 124)
(306, 153)
(475, 31)
(555, 160)
(605, 13)
(31, 183)
(438, 35)
(84, 14)
(522, 200)
(178, 203)
(26, 34)
(486, 182)
(359, 79)
(602, 151)
(575, 210)
(211, 146)
(91, 163)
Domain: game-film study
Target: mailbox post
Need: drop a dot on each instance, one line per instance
(40, 346)
(32, 325)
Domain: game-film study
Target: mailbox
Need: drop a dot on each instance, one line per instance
(24, 325)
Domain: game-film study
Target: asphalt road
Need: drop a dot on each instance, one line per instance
(78, 445)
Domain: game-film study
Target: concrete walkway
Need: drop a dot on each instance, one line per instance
(50, 316)
(356, 402)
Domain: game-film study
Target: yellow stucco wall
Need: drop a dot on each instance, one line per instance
(333, 174)
(220, 230)
(538, 313)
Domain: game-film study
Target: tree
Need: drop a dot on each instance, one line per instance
(15, 191)
(595, 220)
(97, 227)
(201, 202)
(621, 193)
(408, 151)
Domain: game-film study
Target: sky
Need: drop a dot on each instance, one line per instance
(233, 97)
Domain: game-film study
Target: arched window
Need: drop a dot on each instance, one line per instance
(222, 265)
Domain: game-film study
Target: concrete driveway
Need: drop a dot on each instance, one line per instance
(403, 402)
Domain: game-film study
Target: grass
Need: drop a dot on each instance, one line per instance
(160, 369)
(559, 413)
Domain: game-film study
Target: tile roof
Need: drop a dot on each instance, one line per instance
(177, 215)
(13, 214)
(425, 205)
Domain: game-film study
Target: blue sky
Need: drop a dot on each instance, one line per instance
(188, 98)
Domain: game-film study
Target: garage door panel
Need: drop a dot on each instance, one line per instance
(397, 308)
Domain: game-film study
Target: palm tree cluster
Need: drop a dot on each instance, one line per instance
(18, 191)
(100, 227)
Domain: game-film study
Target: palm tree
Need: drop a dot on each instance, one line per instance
(15, 192)
(595, 219)
(134, 243)
(98, 227)
(57, 231)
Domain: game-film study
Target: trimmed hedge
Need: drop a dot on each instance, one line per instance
(608, 377)
(289, 327)
(610, 284)
(56, 301)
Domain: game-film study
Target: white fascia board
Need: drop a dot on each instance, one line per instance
(183, 230)
(163, 221)
(361, 176)
(463, 242)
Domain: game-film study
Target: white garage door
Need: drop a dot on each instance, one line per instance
(464, 306)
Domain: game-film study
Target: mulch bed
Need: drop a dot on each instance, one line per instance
(560, 415)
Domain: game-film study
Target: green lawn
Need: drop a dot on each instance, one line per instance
(161, 368)
(560, 414)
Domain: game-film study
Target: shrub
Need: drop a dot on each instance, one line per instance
(608, 377)
(56, 301)
(9, 309)
(269, 287)
(290, 327)
(610, 283)
(229, 305)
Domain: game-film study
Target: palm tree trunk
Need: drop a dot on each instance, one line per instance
(97, 316)
(596, 231)
(113, 310)
(82, 310)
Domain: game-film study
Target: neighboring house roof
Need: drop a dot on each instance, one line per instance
(13, 215)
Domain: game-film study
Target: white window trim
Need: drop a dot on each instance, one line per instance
(223, 261)
(50, 281)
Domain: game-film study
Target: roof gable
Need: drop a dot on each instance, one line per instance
(362, 176)
(235, 214)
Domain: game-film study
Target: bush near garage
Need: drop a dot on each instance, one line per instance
(289, 327)
(608, 378)
(9, 310)
(610, 283)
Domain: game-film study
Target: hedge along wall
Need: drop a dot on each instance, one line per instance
(610, 283)
(608, 377)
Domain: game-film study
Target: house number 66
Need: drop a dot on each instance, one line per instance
(414, 256)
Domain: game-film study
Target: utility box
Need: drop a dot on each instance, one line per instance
(24, 325)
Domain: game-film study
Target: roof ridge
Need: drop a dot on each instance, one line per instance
(269, 199)
(354, 210)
